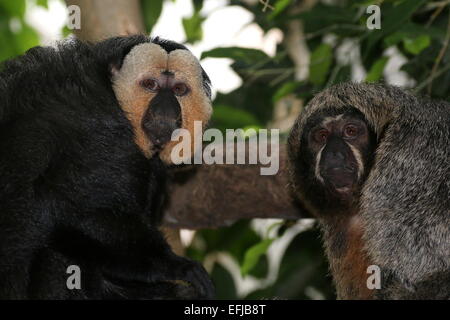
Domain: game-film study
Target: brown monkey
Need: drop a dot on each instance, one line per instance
(372, 162)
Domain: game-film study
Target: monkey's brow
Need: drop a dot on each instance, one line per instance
(320, 121)
(329, 119)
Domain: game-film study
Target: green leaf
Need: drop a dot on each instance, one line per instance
(219, 239)
(151, 10)
(394, 38)
(398, 14)
(253, 255)
(322, 17)
(6, 38)
(193, 27)
(246, 55)
(394, 17)
(66, 31)
(14, 8)
(279, 7)
(232, 118)
(411, 30)
(198, 5)
(223, 281)
(275, 225)
(26, 38)
(416, 45)
(285, 89)
(321, 60)
(376, 71)
(42, 3)
(250, 131)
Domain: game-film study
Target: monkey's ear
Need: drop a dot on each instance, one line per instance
(114, 69)
(115, 62)
(211, 196)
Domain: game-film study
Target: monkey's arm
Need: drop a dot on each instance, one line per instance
(128, 251)
(32, 218)
(25, 220)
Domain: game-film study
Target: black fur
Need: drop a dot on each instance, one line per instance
(74, 187)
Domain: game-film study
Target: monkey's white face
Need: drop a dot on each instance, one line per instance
(161, 92)
(339, 144)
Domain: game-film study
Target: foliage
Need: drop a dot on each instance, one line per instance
(303, 266)
(151, 10)
(16, 36)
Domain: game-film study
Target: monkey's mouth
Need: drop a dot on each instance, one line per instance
(160, 130)
(342, 179)
(344, 190)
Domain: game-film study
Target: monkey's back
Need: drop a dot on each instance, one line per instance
(406, 199)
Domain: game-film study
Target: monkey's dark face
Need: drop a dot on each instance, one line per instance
(336, 155)
(340, 144)
(161, 92)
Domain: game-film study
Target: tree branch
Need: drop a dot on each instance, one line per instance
(211, 196)
(101, 19)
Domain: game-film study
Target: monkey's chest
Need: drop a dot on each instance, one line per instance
(349, 261)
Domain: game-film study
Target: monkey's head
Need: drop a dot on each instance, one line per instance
(161, 87)
(340, 147)
(335, 155)
(334, 142)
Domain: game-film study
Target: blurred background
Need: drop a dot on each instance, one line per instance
(266, 59)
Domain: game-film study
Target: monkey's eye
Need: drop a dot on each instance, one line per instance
(351, 131)
(321, 135)
(180, 89)
(150, 84)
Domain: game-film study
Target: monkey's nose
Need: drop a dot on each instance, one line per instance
(338, 155)
(334, 159)
(160, 131)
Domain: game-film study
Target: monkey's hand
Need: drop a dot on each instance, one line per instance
(164, 290)
(130, 252)
(194, 273)
(172, 277)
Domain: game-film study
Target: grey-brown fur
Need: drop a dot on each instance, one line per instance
(405, 202)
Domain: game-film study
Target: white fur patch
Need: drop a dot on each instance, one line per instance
(327, 120)
(142, 59)
(317, 167)
(358, 158)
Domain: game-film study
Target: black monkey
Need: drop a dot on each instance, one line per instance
(83, 129)
(372, 163)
